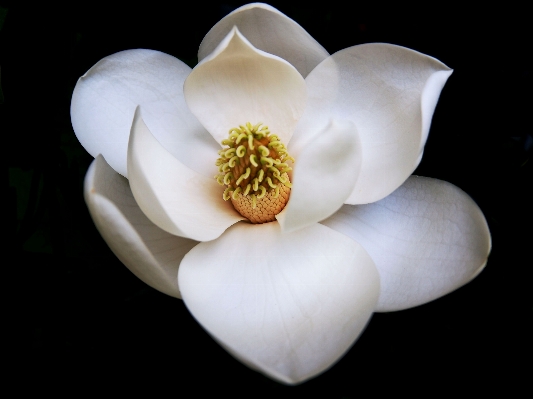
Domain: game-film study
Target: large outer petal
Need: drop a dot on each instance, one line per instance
(174, 197)
(238, 83)
(289, 305)
(271, 31)
(150, 253)
(324, 176)
(390, 93)
(105, 98)
(427, 239)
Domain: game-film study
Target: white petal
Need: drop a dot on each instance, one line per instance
(390, 93)
(271, 31)
(238, 83)
(105, 98)
(174, 197)
(150, 253)
(324, 175)
(289, 305)
(427, 238)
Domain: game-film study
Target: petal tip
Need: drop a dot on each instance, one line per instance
(239, 83)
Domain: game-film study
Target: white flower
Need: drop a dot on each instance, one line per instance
(288, 297)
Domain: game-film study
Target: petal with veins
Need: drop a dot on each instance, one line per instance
(152, 254)
(238, 83)
(289, 305)
(427, 239)
(390, 93)
(271, 31)
(324, 175)
(105, 98)
(172, 196)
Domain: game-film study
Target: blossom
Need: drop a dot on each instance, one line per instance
(290, 296)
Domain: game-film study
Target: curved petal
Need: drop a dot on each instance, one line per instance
(324, 175)
(271, 31)
(150, 253)
(172, 196)
(105, 98)
(289, 305)
(427, 238)
(238, 83)
(390, 93)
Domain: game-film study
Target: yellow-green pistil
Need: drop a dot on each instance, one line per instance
(253, 167)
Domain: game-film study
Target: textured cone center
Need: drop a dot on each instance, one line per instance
(253, 167)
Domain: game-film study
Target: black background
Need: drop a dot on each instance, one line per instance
(78, 319)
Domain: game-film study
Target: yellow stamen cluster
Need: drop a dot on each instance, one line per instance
(254, 168)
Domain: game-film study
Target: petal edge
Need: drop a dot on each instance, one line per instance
(174, 197)
(150, 253)
(104, 101)
(269, 30)
(238, 83)
(325, 172)
(290, 312)
(389, 92)
(427, 239)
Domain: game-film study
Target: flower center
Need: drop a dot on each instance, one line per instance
(253, 167)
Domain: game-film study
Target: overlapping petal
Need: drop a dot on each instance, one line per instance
(105, 98)
(174, 197)
(427, 239)
(287, 298)
(271, 31)
(324, 176)
(152, 254)
(390, 93)
(238, 83)
(288, 305)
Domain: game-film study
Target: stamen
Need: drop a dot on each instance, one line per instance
(264, 151)
(251, 142)
(226, 195)
(253, 160)
(253, 166)
(267, 161)
(241, 136)
(263, 192)
(237, 191)
(228, 178)
(246, 128)
(229, 153)
(241, 151)
(224, 168)
(269, 181)
(239, 180)
(232, 161)
(274, 171)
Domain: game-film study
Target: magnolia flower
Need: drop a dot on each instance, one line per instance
(269, 186)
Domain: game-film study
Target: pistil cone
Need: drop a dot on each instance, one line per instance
(266, 208)
(254, 169)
